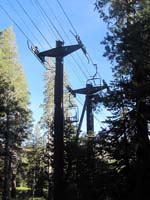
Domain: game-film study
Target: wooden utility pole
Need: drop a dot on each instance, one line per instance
(89, 110)
(58, 129)
(59, 53)
(89, 91)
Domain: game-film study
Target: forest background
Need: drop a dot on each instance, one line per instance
(113, 164)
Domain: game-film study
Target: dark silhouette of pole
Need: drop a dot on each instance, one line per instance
(59, 53)
(89, 91)
(58, 129)
(89, 111)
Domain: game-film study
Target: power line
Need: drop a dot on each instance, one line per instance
(67, 17)
(43, 11)
(79, 67)
(51, 10)
(70, 42)
(33, 23)
(75, 31)
(42, 34)
(30, 40)
(49, 20)
(76, 74)
(63, 30)
(66, 36)
(21, 30)
(79, 101)
(36, 7)
(15, 23)
(83, 63)
(22, 19)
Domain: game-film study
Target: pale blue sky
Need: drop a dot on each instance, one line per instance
(87, 24)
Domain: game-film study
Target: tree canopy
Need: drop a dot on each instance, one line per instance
(15, 116)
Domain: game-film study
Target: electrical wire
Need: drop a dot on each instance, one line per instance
(46, 22)
(38, 29)
(63, 30)
(60, 5)
(44, 37)
(54, 27)
(53, 13)
(79, 101)
(21, 30)
(22, 19)
(43, 12)
(79, 67)
(65, 33)
(74, 29)
(77, 76)
(26, 13)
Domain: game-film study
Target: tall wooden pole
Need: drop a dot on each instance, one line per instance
(58, 129)
(89, 111)
(59, 53)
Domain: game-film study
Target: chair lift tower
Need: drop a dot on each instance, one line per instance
(59, 53)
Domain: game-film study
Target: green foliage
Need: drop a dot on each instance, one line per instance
(35, 168)
(127, 46)
(15, 117)
(10, 65)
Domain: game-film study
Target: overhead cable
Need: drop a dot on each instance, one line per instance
(67, 17)
(49, 20)
(46, 22)
(22, 19)
(33, 23)
(63, 30)
(15, 23)
(79, 67)
(74, 29)
(52, 12)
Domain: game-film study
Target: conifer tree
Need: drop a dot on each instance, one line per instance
(127, 46)
(14, 112)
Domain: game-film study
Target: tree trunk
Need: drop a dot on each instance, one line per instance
(141, 190)
(7, 165)
(13, 186)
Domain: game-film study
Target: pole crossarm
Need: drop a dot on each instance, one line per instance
(89, 90)
(59, 51)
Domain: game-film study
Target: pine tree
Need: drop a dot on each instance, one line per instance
(14, 112)
(127, 46)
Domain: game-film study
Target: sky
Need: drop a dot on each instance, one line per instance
(43, 22)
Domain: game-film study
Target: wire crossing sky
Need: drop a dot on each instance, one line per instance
(42, 23)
